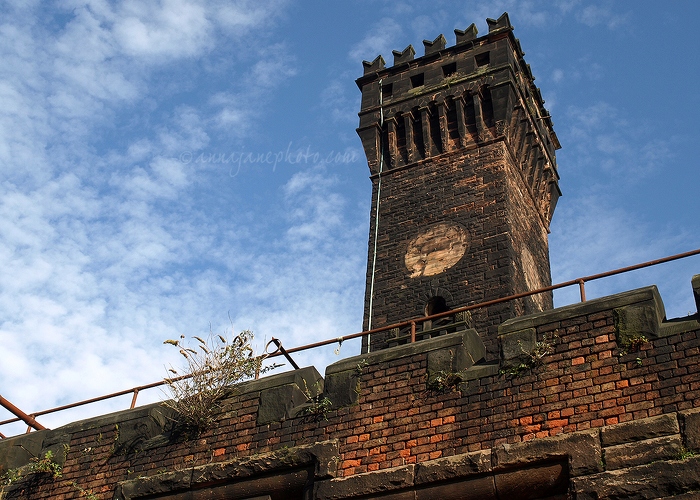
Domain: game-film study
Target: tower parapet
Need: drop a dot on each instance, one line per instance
(478, 90)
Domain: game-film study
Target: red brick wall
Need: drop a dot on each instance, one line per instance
(588, 382)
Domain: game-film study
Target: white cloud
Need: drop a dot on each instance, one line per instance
(341, 100)
(101, 253)
(170, 29)
(594, 15)
(380, 40)
(604, 139)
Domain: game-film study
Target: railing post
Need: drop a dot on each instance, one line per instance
(582, 289)
(27, 419)
(133, 399)
(413, 332)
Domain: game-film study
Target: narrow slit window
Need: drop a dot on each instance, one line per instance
(449, 69)
(417, 80)
(482, 59)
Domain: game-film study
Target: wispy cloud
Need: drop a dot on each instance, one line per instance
(593, 15)
(604, 139)
(100, 244)
(380, 40)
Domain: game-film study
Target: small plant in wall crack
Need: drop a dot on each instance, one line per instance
(444, 381)
(45, 464)
(531, 358)
(213, 368)
(634, 343)
(317, 405)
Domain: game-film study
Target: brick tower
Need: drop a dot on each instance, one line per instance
(462, 158)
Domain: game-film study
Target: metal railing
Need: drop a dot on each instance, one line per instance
(30, 419)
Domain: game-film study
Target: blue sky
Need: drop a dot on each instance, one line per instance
(126, 217)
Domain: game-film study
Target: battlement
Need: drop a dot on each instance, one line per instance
(478, 91)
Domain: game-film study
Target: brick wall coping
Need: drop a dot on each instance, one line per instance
(646, 294)
(645, 302)
(468, 338)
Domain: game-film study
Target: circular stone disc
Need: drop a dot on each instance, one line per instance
(436, 249)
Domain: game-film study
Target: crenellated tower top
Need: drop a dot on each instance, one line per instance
(477, 91)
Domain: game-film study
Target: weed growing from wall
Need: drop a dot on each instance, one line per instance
(45, 464)
(444, 381)
(633, 343)
(213, 368)
(317, 405)
(532, 358)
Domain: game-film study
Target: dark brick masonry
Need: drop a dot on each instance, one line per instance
(462, 139)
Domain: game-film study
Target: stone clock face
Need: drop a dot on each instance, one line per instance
(436, 249)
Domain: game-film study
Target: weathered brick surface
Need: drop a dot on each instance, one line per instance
(413, 199)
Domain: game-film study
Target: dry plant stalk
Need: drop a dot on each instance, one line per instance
(213, 369)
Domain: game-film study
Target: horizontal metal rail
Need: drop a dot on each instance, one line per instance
(281, 351)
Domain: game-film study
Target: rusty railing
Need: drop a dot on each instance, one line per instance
(30, 419)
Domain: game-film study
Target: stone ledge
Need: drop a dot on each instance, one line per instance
(465, 337)
(467, 477)
(369, 483)
(454, 352)
(321, 456)
(655, 480)
(637, 312)
(582, 449)
(647, 294)
(637, 430)
(17, 451)
(642, 452)
(457, 466)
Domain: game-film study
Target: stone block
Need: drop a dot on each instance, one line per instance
(655, 480)
(19, 450)
(442, 469)
(343, 388)
(515, 345)
(458, 357)
(144, 432)
(635, 321)
(642, 452)
(369, 483)
(280, 393)
(581, 449)
(637, 430)
(479, 371)
(691, 428)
